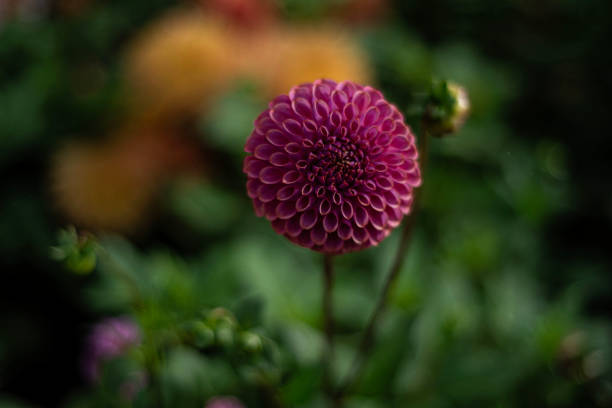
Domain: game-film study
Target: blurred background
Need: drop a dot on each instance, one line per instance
(127, 120)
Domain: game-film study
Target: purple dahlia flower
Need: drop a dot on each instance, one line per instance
(332, 166)
(109, 339)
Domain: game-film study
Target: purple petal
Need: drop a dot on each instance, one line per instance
(361, 100)
(324, 206)
(347, 210)
(308, 219)
(293, 127)
(304, 202)
(360, 235)
(279, 159)
(318, 235)
(291, 177)
(377, 202)
(293, 227)
(286, 193)
(285, 209)
(279, 226)
(361, 216)
(264, 151)
(321, 109)
(302, 107)
(345, 230)
(333, 244)
(339, 98)
(253, 166)
(322, 91)
(277, 138)
(267, 192)
(271, 175)
(330, 222)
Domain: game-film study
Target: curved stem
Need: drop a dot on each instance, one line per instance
(367, 341)
(365, 346)
(328, 321)
(120, 272)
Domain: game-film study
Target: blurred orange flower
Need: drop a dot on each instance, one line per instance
(286, 56)
(112, 185)
(177, 65)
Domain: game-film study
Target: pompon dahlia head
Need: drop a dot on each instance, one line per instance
(332, 166)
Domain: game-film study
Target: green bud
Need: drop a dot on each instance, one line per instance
(447, 109)
(224, 335)
(221, 316)
(251, 342)
(77, 252)
(203, 335)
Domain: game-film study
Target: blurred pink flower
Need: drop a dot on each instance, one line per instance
(332, 166)
(249, 14)
(224, 402)
(109, 339)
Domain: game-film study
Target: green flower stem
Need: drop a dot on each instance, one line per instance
(328, 321)
(124, 276)
(367, 341)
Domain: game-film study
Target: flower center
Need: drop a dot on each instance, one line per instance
(336, 162)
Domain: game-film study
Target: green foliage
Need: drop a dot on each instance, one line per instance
(77, 252)
(485, 313)
(227, 125)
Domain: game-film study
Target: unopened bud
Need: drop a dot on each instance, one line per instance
(461, 109)
(224, 335)
(77, 252)
(447, 110)
(203, 336)
(251, 342)
(221, 316)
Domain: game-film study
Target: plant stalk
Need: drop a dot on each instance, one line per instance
(367, 341)
(328, 321)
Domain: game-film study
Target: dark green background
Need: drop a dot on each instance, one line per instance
(513, 239)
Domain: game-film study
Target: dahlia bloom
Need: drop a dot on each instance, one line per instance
(111, 185)
(287, 55)
(109, 339)
(224, 402)
(332, 166)
(180, 63)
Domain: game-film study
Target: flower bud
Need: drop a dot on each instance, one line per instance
(221, 316)
(461, 109)
(447, 110)
(224, 335)
(78, 252)
(251, 342)
(203, 335)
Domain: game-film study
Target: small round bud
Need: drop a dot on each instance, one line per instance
(76, 251)
(81, 263)
(220, 315)
(224, 335)
(251, 342)
(461, 108)
(447, 110)
(203, 335)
